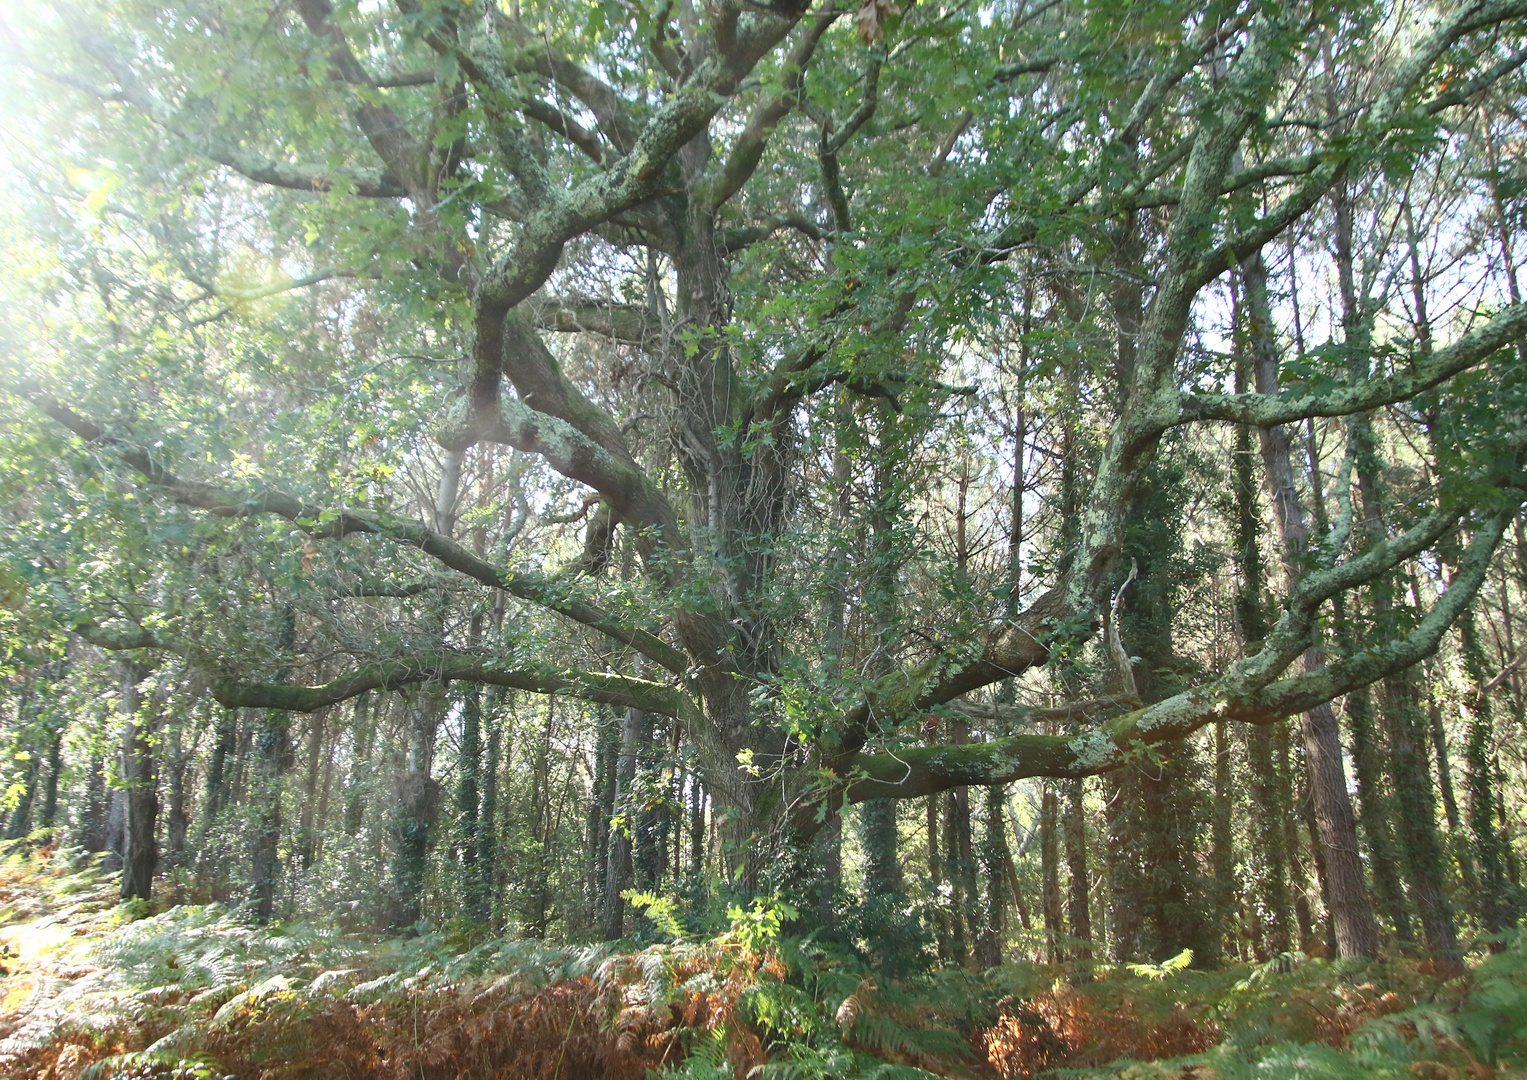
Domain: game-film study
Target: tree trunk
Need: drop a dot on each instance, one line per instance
(1290, 758)
(1351, 914)
(1079, 896)
(828, 857)
(92, 834)
(55, 768)
(176, 759)
(1049, 868)
(307, 842)
(1356, 934)
(995, 859)
(1222, 850)
(1496, 910)
(140, 785)
(21, 817)
(877, 835)
(487, 831)
(1445, 786)
(619, 869)
(697, 830)
(359, 781)
(468, 800)
(602, 807)
(418, 803)
(959, 868)
(274, 754)
(1268, 786)
(116, 821)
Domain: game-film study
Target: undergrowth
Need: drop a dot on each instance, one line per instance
(198, 992)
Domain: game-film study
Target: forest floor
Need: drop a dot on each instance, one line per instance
(91, 993)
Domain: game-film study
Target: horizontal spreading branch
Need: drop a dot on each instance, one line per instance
(324, 523)
(629, 324)
(602, 687)
(924, 770)
(566, 449)
(1507, 327)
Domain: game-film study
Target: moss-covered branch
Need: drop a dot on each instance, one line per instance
(606, 688)
(1506, 327)
(923, 770)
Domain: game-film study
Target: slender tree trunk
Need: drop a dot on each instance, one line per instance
(21, 817)
(1268, 786)
(93, 820)
(602, 807)
(828, 857)
(995, 859)
(179, 819)
(418, 801)
(1351, 914)
(1418, 821)
(274, 751)
(325, 790)
(882, 860)
(1322, 880)
(1445, 787)
(488, 823)
(359, 781)
(956, 842)
(223, 747)
(942, 928)
(1222, 848)
(1496, 910)
(1290, 759)
(307, 843)
(468, 801)
(249, 721)
(1049, 867)
(116, 820)
(140, 784)
(55, 769)
(1079, 897)
(619, 878)
(697, 831)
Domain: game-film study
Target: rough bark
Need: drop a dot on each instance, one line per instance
(1351, 912)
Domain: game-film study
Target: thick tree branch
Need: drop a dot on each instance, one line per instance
(322, 523)
(633, 179)
(748, 150)
(606, 688)
(1297, 165)
(627, 323)
(1506, 327)
(384, 129)
(635, 499)
(926, 770)
(739, 238)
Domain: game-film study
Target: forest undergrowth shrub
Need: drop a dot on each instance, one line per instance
(1290, 1019)
(199, 992)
